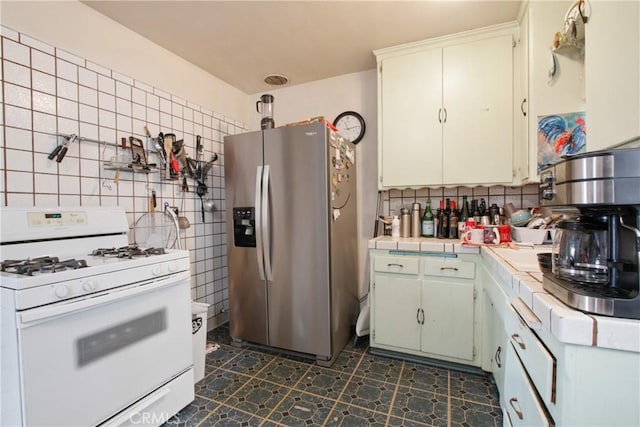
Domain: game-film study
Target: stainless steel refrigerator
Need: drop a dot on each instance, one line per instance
(290, 200)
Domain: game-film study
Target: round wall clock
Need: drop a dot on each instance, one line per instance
(350, 125)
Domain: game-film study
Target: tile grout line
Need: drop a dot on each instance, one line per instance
(395, 393)
(344, 388)
(292, 388)
(239, 388)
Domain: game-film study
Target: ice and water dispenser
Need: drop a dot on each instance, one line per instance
(244, 227)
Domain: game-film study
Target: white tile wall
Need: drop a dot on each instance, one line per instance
(45, 91)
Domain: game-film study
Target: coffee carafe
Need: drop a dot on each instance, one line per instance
(264, 106)
(580, 250)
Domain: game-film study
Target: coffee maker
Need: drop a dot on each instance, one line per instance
(596, 254)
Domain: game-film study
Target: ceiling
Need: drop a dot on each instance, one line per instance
(241, 42)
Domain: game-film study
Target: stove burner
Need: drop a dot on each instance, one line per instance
(46, 264)
(127, 252)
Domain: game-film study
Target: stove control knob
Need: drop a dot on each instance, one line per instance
(62, 291)
(173, 267)
(156, 270)
(88, 286)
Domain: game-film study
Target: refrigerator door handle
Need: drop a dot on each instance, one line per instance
(258, 209)
(265, 222)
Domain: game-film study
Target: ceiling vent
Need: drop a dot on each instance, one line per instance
(276, 79)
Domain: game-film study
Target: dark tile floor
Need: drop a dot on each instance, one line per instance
(249, 387)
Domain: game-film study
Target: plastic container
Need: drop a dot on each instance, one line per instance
(395, 226)
(199, 333)
(529, 235)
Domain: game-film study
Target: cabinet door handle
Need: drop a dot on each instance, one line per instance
(512, 402)
(524, 101)
(445, 115)
(418, 317)
(422, 317)
(440, 115)
(393, 264)
(519, 341)
(497, 357)
(449, 268)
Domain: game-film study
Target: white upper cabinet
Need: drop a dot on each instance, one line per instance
(545, 94)
(612, 62)
(477, 144)
(411, 99)
(445, 111)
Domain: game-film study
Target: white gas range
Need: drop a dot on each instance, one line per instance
(94, 331)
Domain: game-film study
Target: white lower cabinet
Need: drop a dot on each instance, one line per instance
(425, 306)
(520, 401)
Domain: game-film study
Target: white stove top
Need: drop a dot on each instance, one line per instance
(74, 233)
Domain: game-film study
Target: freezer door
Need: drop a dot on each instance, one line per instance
(247, 290)
(298, 248)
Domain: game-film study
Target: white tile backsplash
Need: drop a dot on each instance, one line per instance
(63, 93)
(106, 101)
(69, 57)
(36, 44)
(16, 52)
(17, 95)
(44, 82)
(106, 84)
(67, 70)
(67, 90)
(16, 74)
(43, 62)
(17, 117)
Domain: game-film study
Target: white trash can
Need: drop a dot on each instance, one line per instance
(199, 331)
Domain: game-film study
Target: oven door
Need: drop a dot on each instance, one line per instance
(83, 361)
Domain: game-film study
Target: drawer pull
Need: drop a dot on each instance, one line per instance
(393, 264)
(497, 357)
(518, 412)
(519, 341)
(449, 268)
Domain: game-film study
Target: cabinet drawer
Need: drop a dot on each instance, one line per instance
(521, 404)
(539, 363)
(449, 268)
(397, 264)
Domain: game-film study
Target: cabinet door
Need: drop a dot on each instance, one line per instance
(478, 99)
(612, 67)
(520, 400)
(395, 312)
(411, 135)
(499, 342)
(448, 318)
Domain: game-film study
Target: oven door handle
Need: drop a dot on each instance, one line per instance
(32, 317)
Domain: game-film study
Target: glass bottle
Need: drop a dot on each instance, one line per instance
(453, 221)
(427, 221)
(438, 221)
(464, 216)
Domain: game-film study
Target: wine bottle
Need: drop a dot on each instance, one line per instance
(427, 221)
(464, 216)
(453, 221)
(445, 220)
(439, 220)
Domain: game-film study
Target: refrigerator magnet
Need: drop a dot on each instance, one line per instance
(336, 214)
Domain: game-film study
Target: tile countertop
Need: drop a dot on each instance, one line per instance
(519, 267)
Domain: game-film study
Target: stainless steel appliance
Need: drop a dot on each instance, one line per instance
(292, 245)
(597, 257)
(94, 331)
